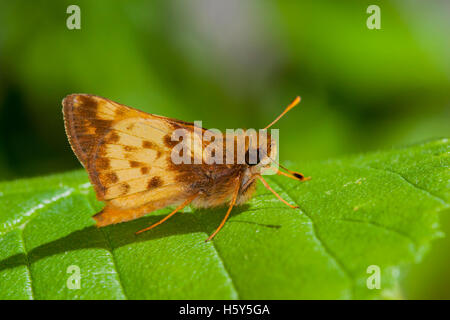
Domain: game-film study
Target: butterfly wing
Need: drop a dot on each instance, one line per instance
(127, 155)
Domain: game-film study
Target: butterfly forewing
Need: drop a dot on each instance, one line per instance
(126, 152)
(132, 158)
(87, 119)
(128, 155)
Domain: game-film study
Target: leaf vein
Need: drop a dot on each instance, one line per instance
(429, 193)
(227, 273)
(377, 225)
(113, 258)
(319, 239)
(27, 260)
(27, 216)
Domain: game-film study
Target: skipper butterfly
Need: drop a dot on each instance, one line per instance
(128, 156)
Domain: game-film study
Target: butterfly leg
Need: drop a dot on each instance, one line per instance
(276, 194)
(180, 207)
(232, 203)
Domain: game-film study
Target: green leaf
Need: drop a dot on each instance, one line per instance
(376, 209)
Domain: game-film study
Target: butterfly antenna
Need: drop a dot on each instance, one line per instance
(289, 107)
(291, 174)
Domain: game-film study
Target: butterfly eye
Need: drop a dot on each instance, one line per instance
(251, 160)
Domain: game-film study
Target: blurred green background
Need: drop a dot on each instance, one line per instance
(234, 64)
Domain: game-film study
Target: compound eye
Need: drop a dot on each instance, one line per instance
(256, 155)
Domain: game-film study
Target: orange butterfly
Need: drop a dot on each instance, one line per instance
(128, 155)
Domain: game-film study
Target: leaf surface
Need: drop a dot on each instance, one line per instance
(378, 209)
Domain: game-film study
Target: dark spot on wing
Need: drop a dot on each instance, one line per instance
(87, 102)
(101, 126)
(144, 170)
(102, 163)
(120, 112)
(111, 177)
(124, 188)
(102, 150)
(154, 182)
(134, 164)
(168, 141)
(147, 144)
(179, 124)
(114, 137)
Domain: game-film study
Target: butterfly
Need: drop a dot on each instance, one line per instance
(128, 155)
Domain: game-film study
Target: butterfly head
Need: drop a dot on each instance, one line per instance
(259, 155)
